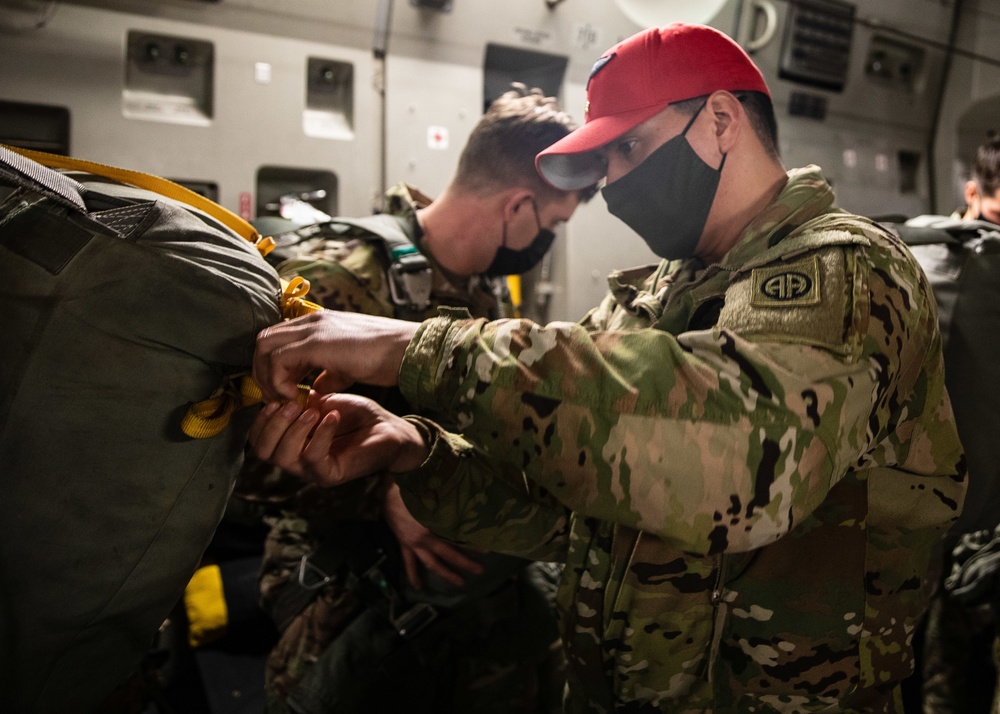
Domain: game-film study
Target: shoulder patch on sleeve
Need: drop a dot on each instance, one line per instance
(792, 285)
(810, 300)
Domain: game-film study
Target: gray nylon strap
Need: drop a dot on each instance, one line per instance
(385, 226)
(42, 177)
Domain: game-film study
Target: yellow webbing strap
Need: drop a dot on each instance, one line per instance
(210, 416)
(514, 286)
(293, 298)
(205, 605)
(157, 184)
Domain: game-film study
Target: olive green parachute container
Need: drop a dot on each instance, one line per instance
(119, 307)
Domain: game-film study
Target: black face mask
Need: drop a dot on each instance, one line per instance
(515, 262)
(666, 198)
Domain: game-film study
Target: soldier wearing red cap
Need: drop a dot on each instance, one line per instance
(744, 455)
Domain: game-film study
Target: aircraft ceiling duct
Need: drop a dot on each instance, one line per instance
(655, 13)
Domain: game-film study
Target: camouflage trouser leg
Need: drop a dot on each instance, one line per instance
(518, 665)
(499, 654)
(488, 685)
(303, 641)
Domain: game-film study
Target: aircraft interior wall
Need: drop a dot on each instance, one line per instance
(294, 89)
(79, 61)
(971, 106)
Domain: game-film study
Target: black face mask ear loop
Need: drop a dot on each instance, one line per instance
(691, 122)
(693, 117)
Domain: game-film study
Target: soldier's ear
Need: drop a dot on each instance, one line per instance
(729, 117)
(518, 200)
(971, 193)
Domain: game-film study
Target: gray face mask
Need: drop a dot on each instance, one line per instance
(666, 199)
(515, 262)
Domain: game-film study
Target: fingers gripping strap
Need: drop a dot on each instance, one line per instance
(210, 416)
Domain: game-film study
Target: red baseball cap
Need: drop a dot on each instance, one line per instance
(637, 78)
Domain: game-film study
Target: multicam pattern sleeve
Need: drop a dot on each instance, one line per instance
(531, 524)
(658, 444)
(717, 439)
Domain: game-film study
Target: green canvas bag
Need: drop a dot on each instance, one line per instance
(119, 307)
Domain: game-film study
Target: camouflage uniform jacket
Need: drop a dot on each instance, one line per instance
(349, 272)
(743, 466)
(347, 267)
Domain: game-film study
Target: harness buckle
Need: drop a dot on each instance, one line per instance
(416, 618)
(306, 567)
(410, 280)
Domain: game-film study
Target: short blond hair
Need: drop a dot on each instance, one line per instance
(501, 149)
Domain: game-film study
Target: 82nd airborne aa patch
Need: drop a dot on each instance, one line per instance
(794, 284)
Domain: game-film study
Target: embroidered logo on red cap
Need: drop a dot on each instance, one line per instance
(654, 68)
(599, 65)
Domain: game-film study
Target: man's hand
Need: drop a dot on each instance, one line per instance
(349, 347)
(338, 438)
(421, 547)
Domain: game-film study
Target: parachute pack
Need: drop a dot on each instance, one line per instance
(119, 307)
(409, 272)
(962, 261)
